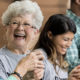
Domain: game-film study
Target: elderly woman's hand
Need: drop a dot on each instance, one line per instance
(75, 73)
(38, 73)
(31, 62)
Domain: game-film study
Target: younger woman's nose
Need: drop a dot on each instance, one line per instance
(69, 44)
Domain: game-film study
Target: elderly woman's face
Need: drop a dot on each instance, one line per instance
(20, 31)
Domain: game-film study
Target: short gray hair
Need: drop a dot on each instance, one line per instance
(19, 8)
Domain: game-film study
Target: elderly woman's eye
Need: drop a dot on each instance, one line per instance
(26, 24)
(14, 23)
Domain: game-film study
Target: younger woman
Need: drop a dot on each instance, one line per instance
(54, 40)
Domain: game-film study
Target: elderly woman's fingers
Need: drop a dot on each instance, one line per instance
(38, 73)
(30, 62)
(39, 64)
(39, 54)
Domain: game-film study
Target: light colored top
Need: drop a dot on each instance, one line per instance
(50, 73)
(9, 60)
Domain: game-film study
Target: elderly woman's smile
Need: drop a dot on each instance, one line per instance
(19, 36)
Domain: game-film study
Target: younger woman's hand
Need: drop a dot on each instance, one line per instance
(75, 73)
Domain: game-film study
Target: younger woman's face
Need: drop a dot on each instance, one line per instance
(62, 42)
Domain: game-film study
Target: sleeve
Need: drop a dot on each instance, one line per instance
(72, 56)
(49, 71)
(1, 79)
(11, 78)
(3, 73)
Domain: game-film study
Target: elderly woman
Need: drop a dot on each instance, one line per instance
(22, 21)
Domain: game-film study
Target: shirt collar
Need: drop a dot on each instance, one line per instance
(73, 16)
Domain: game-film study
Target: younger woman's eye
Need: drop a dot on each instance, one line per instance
(71, 39)
(65, 39)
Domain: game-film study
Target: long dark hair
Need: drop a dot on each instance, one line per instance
(57, 24)
(72, 1)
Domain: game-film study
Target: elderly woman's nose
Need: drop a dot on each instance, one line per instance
(20, 26)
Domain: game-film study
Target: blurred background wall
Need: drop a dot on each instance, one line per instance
(48, 7)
